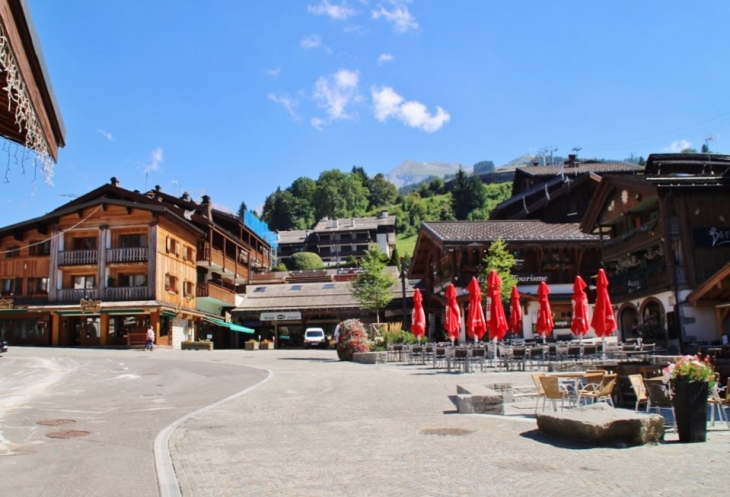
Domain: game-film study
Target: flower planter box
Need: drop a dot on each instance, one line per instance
(266, 346)
(197, 346)
(370, 357)
(252, 345)
(690, 410)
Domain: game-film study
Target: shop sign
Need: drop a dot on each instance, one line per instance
(93, 306)
(281, 316)
(6, 303)
(712, 237)
(531, 278)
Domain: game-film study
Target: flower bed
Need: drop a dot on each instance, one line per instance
(197, 345)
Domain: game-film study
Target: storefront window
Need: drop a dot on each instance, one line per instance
(26, 329)
(92, 327)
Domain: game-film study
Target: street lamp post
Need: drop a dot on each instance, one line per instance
(403, 271)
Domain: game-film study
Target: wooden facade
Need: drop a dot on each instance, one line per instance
(662, 236)
(100, 269)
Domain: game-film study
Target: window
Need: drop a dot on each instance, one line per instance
(188, 253)
(137, 240)
(37, 286)
(87, 243)
(92, 327)
(12, 252)
(83, 282)
(40, 247)
(172, 246)
(346, 236)
(11, 286)
(129, 280)
(189, 289)
(170, 283)
(119, 326)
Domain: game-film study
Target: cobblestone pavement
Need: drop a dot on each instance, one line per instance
(322, 427)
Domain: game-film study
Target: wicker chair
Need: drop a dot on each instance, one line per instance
(599, 392)
(659, 398)
(540, 391)
(717, 403)
(553, 392)
(637, 384)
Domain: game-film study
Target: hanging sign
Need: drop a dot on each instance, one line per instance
(93, 306)
(6, 303)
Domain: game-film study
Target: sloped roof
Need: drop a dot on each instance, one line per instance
(509, 231)
(292, 236)
(360, 223)
(304, 296)
(545, 173)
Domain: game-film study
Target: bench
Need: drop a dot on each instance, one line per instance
(474, 398)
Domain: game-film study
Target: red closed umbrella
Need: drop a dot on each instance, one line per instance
(545, 324)
(496, 320)
(452, 323)
(418, 318)
(604, 322)
(579, 324)
(515, 312)
(476, 326)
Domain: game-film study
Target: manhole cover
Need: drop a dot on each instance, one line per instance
(446, 431)
(67, 434)
(55, 422)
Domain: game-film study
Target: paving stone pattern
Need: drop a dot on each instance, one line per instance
(321, 427)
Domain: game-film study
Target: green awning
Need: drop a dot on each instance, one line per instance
(169, 314)
(230, 326)
(122, 311)
(19, 309)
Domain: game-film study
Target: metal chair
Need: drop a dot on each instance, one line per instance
(659, 398)
(599, 392)
(553, 391)
(478, 356)
(717, 403)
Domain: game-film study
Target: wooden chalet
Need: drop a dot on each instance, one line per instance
(664, 235)
(528, 177)
(98, 270)
(452, 252)
(29, 113)
(312, 298)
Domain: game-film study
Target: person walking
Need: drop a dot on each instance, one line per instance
(150, 345)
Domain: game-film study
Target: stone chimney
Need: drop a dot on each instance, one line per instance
(384, 215)
(335, 223)
(207, 207)
(158, 188)
(536, 163)
(186, 197)
(353, 222)
(114, 181)
(571, 159)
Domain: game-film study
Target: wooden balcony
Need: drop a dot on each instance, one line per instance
(215, 291)
(76, 257)
(123, 255)
(74, 296)
(129, 293)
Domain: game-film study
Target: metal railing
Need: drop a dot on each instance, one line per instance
(128, 293)
(73, 295)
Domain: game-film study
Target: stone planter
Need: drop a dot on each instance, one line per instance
(370, 357)
(197, 346)
(266, 346)
(252, 345)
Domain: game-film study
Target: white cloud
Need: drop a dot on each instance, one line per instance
(677, 146)
(318, 123)
(287, 102)
(399, 16)
(311, 41)
(387, 103)
(339, 12)
(274, 73)
(334, 93)
(155, 160)
(106, 134)
(386, 57)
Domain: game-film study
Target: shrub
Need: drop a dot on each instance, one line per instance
(305, 261)
(352, 339)
(398, 336)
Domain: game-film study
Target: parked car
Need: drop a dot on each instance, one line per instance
(3, 345)
(314, 337)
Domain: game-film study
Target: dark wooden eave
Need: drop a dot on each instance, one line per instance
(715, 290)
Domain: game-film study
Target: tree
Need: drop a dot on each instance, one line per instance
(242, 211)
(373, 288)
(395, 258)
(277, 210)
(500, 259)
(340, 195)
(305, 261)
(360, 173)
(467, 194)
(485, 166)
(382, 192)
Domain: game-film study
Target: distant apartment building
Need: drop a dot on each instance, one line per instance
(336, 240)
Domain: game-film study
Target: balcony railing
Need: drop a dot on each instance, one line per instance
(71, 295)
(76, 257)
(215, 291)
(128, 293)
(136, 254)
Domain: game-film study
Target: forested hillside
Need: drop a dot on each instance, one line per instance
(336, 194)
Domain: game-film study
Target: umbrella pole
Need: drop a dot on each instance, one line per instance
(603, 347)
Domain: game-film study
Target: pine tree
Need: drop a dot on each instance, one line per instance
(373, 288)
(500, 259)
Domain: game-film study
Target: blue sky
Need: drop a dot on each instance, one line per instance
(233, 98)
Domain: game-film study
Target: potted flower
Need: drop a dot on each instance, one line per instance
(690, 380)
(266, 344)
(252, 345)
